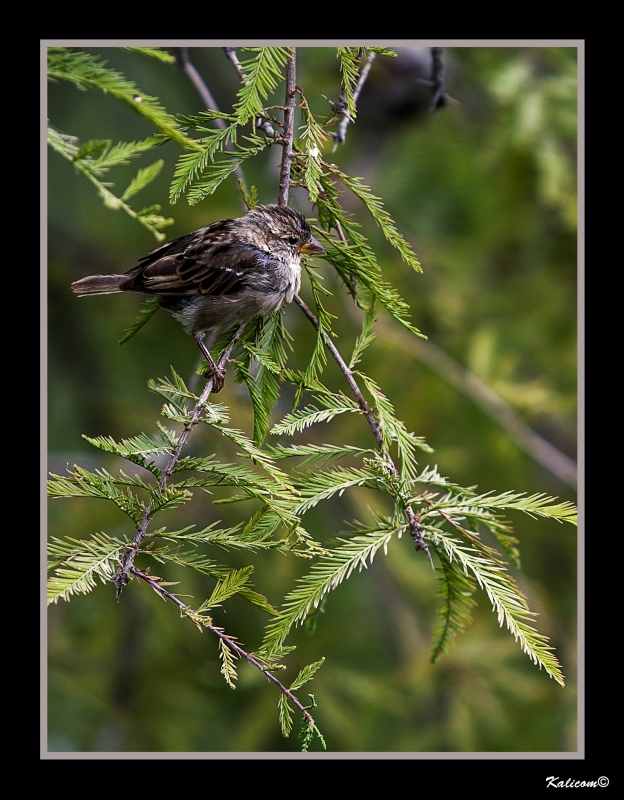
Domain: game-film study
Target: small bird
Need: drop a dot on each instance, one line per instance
(222, 275)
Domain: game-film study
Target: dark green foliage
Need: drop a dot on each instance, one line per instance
(269, 352)
(88, 72)
(456, 590)
(93, 159)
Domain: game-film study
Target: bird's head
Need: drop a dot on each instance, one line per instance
(281, 231)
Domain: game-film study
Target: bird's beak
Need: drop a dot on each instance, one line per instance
(312, 248)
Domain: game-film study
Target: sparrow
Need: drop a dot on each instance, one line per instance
(222, 275)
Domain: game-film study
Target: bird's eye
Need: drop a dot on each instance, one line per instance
(292, 240)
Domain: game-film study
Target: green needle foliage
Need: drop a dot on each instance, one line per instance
(349, 66)
(456, 593)
(93, 160)
(264, 70)
(82, 561)
(88, 72)
(277, 494)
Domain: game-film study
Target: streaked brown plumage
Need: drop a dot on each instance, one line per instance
(221, 275)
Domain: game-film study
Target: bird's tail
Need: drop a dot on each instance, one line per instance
(98, 284)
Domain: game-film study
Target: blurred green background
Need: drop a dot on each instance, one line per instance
(485, 192)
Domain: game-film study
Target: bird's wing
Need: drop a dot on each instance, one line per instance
(208, 261)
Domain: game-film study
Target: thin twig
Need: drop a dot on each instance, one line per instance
(121, 577)
(228, 641)
(341, 133)
(416, 530)
(439, 97)
(289, 121)
(182, 57)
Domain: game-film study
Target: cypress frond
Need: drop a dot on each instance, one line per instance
(303, 418)
(318, 359)
(366, 335)
(250, 199)
(95, 158)
(117, 154)
(350, 60)
(431, 476)
(251, 537)
(540, 505)
(353, 261)
(256, 454)
(153, 52)
(285, 712)
(82, 483)
(384, 51)
(81, 562)
(169, 497)
(228, 667)
(229, 581)
(313, 138)
(507, 600)
(263, 73)
(191, 165)
(183, 399)
(192, 559)
(272, 339)
(375, 206)
(232, 475)
(315, 487)
(258, 600)
(314, 453)
(260, 527)
(456, 590)
(393, 430)
(142, 179)
(141, 445)
(507, 542)
(231, 584)
(262, 357)
(305, 675)
(88, 72)
(216, 172)
(262, 417)
(324, 576)
(150, 307)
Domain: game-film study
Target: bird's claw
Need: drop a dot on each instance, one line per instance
(218, 378)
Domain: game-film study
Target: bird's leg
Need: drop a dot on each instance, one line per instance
(217, 373)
